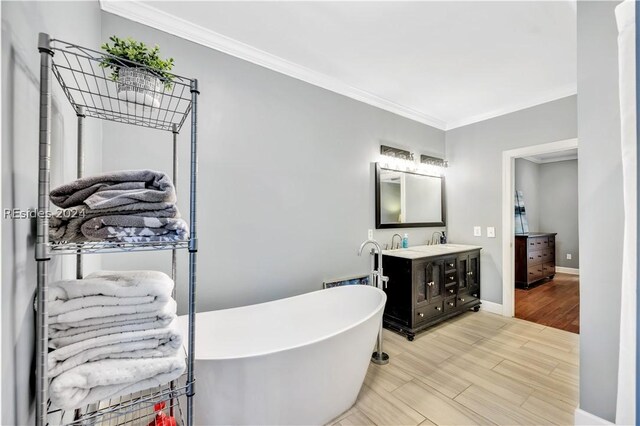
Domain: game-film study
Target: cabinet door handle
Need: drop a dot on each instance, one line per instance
(451, 291)
(451, 278)
(475, 294)
(451, 303)
(470, 273)
(430, 283)
(451, 265)
(438, 308)
(421, 315)
(462, 300)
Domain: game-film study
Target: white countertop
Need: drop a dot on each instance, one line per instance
(416, 252)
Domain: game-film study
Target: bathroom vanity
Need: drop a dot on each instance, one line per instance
(429, 284)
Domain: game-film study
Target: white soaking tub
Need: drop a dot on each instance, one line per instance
(297, 361)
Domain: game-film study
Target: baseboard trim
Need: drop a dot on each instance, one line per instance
(493, 307)
(563, 270)
(584, 418)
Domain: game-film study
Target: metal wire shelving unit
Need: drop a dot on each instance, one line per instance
(92, 92)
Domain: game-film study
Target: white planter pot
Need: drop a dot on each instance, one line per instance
(139, 86)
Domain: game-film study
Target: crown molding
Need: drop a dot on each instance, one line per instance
(550, 96)
(155, 18)
(552, 160)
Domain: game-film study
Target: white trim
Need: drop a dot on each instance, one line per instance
(146, 14)
(563, 270)
(552, 160)
(155, 18)
(584, 418)
(508, 239)
(493, 307)
(548, 97)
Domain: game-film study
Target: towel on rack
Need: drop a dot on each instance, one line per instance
(110, 378)
(154, 343)
(135, 229)
(115, 189)
(61, 338)
(107, 293)
(66, 224)
(165, 313)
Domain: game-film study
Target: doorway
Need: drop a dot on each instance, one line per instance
(564, 279)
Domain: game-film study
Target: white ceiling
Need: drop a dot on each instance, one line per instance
(552, 157)
(446, 64)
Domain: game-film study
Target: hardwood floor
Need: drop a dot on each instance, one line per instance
(478, 368)
(555, 303)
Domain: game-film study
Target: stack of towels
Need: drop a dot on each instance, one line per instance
(111, 334)
(131, 206)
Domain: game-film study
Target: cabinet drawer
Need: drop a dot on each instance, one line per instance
(552, 241)
(534, 272)
(548, 255)
(450, 278)
(535, 257)
(450, 264)
(464, 298)
(450, 304)
(428, 312)
(450, 290)
(548, 268)
(538, 243)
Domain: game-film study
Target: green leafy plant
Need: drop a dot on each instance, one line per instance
(130, 53)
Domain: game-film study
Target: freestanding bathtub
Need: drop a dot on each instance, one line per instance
(300, 360)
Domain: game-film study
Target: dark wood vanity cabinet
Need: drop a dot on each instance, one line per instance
(535, 257)
(426, 290)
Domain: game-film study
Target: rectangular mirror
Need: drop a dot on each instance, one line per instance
(408, 200)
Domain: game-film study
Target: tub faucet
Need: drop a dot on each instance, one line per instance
(378, 357)
(393, 238)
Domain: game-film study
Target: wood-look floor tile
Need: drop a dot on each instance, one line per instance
(551, 407)
(540, 364)
(386, 409)
(386, 377)
(567, 392)
(356, 418)
(466, 352)
(459, 333)
(428, 372)
(552, 351)
(505, 387)
(497, 335)
(497, 409)
(436, 407)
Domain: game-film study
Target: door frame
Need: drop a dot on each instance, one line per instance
(508, 188)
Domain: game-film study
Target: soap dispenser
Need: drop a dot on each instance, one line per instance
(405, 241)
(443, 238)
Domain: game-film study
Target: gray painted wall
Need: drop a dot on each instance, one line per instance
(474, 177)
(286, 176)
(558, 198)
(551, 201)
(527, 180)
(601, 206)
(21, 22)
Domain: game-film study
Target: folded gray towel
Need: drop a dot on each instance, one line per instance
(135, 229)
(115, 189)
(66, 224)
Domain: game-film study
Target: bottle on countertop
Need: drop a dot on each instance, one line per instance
(405, 241)
(443, 238)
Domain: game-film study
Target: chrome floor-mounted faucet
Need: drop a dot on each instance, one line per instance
(378, 357)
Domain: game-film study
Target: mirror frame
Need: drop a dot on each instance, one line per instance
(380, 225)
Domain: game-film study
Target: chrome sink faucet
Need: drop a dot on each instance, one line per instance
(378, 357)
(393, 239)
(437, 240)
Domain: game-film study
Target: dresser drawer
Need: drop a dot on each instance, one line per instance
(548, 255)
(535, 257)
(450, 264)
(428, 312)
(450, 304)
(450, 278)
(534, 272)
(548, 268)
(538, 243)
(451, 290)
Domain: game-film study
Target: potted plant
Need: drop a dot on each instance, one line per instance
(139, 71)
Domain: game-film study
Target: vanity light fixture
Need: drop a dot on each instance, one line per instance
(397, 159)
(434, 161)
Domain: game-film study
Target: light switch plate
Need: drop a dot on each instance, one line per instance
(491, 232)
(568, 256)
(477, 231)
(370, 234)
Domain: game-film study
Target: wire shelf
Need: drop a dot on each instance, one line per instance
(133, 409)
(63, 247)
(91, 89)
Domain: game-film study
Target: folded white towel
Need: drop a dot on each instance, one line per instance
(110, 378)
(154, 343)
(60, 338)
(107, 293)
(166, 312)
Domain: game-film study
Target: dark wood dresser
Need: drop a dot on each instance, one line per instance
(428, 284)
(535, 257)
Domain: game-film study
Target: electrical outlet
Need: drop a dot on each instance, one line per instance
(491, 232)
(370, 234)
(477, 231)
(568, 256)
